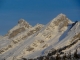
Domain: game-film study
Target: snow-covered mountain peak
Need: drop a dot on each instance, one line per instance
(24, 23)
(61, 15)
(21, 21)
(61, 18)
(60, 35)
(20, 27)
(60, 22)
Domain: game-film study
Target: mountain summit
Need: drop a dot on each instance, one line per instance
(22, 22)
(59, 36)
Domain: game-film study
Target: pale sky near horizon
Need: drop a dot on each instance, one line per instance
(35, 11)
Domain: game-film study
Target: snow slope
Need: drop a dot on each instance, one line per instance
(23, 40)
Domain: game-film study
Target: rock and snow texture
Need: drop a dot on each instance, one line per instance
(23, 40)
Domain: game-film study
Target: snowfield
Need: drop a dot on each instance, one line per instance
(25, 41)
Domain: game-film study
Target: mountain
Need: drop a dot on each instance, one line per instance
(26, 41)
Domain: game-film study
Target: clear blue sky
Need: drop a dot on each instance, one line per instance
(35, 11)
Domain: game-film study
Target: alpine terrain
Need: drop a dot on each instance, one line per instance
(57, 40)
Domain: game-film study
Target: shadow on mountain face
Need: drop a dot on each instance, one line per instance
(64, 34)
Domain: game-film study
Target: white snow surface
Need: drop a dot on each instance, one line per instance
(40, 42)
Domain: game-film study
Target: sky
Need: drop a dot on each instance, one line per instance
(35, 11)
